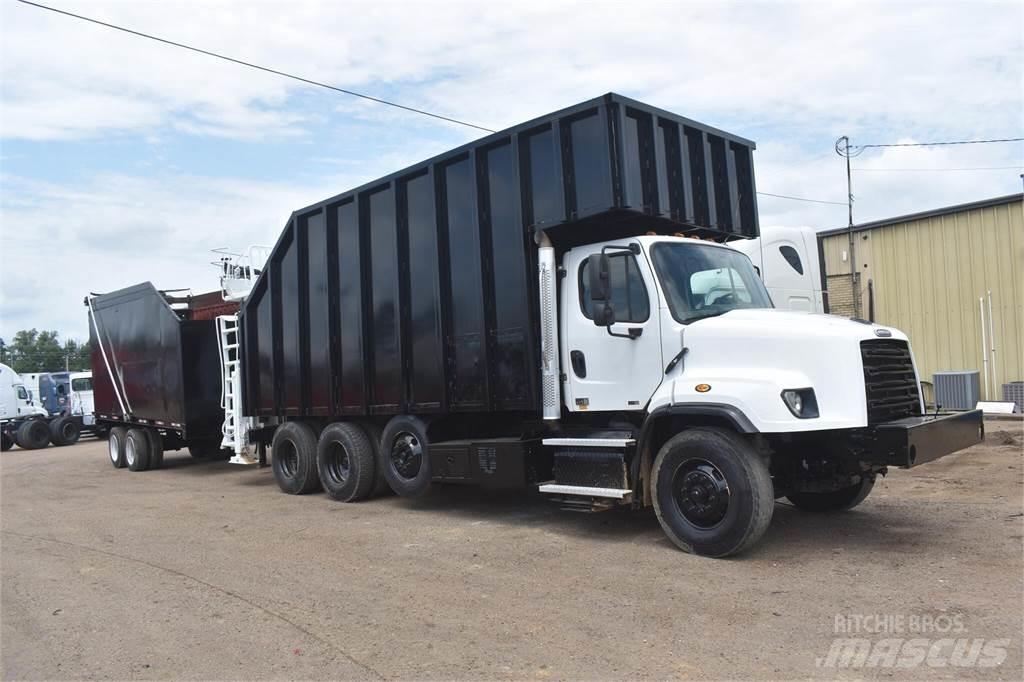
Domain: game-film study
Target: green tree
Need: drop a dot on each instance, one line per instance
(34, 351)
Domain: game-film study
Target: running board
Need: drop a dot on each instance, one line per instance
(589, 442)
(585, 491)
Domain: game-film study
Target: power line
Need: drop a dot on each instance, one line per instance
(935, 144)
(256, 66)
(813, 201)
(980, 168)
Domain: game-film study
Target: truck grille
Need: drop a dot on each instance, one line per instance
(889, 380)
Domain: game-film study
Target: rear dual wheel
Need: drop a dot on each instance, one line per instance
(65, 430)
(32, 435)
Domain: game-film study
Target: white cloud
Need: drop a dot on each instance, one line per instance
(793, 76)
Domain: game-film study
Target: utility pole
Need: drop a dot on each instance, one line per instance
(843, 149)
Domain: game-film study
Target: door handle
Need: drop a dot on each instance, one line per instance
(579, 363)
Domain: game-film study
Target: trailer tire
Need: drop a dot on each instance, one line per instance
(405, 456)
(6, 442)
(293, 458)
(156, 449)
(344, 460)
(835, 500)
(136, 450)
(115, 446)
(33, 435)
(712, 492)
(65, 431)
(380, 483)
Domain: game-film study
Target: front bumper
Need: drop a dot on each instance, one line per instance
(916, 440)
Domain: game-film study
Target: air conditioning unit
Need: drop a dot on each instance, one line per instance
(957, 390)
(1013, 392)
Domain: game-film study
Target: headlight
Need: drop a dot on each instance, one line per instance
(801, 402)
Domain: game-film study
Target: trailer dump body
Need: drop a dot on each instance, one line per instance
(416, 293)
(164, 360)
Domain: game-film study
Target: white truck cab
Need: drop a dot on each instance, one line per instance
(787, 260)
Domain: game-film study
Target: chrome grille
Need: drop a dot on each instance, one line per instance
(889, 381)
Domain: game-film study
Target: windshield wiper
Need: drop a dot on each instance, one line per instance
(704, 316)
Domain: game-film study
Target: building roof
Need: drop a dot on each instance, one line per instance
(984, 203)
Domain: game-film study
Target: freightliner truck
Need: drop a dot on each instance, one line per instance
(551, 306)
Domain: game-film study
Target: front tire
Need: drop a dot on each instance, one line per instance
(6, 442)
(835, 500)
(293, 458)
(712, 492)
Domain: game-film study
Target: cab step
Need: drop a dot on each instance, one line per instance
(581, 498)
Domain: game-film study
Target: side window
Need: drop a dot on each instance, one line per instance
(792, 257)
(629, 294)
(22, 393)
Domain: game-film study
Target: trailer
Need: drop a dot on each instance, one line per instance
(157, 373)
(555, 306)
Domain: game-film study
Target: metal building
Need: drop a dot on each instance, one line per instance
(931, 275)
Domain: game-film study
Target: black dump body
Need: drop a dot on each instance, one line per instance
(165, 361)
(417, 293)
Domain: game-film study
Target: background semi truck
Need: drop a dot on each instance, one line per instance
(552, 306)
(30, 425)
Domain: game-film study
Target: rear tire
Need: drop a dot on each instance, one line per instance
(835, 500)
(293, 455)
(33, 435)
(712, 492)
(115, 446)
(380, 483)
(65, 431)
(405, 456)
(344, 458)
(136, 450)
(156, 448)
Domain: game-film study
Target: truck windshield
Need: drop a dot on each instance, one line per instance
(704, 281)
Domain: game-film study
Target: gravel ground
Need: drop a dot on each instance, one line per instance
(206, 571)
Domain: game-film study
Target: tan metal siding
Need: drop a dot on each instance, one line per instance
(928, 275)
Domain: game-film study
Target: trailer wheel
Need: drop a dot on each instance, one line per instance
(33, 435)
(293, 455)
(405, 456)
(6, 442)
(156, 448)
(344, 458)
(380, 483)
(712, 492)
(835, 500)
(136, 450)
(65, 431)
(115, 446)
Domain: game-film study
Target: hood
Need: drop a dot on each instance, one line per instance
(793, 323)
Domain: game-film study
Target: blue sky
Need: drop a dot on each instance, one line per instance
(123, 160)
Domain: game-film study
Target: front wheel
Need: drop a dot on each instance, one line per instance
(712, 492)
(835, 500)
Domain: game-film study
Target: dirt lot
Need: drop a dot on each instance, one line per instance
(205, 570)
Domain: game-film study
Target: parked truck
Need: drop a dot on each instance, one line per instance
(60, 417)
(552, 306)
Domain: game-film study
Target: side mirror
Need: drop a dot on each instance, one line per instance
(599, 269)
(604, 314)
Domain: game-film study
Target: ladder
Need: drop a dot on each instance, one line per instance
(235, 430)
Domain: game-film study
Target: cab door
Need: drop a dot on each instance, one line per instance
(610, 371)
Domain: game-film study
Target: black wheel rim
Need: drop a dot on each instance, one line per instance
(407, 455)
(338, 463)
(288, 457)
(68, 430)
(701, 493)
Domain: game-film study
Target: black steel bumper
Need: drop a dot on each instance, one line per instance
(916, 440)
